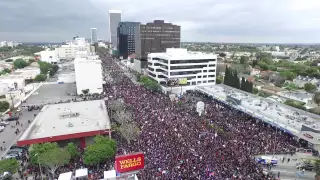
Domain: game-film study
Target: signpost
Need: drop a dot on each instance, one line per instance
(129, 162)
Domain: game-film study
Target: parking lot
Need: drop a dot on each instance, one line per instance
(46, 94)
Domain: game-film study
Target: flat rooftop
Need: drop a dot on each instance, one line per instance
(284, 116)
(68, 118)
(52, 93)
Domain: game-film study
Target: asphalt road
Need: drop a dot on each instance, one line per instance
(290, 173)
(8, 135)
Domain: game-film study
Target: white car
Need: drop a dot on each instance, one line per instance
(1, 128)
(4, 123)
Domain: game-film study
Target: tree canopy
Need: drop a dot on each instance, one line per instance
(9, 165)
(4, 105)
(40, 77)
(244, 59)
(316, 98)
(101, 150)
(37, 149)
(54, 158)
(150, 83)
(47, 67)
(20, 63)
(73, 151)
(311, 88)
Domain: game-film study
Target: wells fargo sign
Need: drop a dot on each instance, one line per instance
(129, 162)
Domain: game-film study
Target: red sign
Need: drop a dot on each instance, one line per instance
(129, 162)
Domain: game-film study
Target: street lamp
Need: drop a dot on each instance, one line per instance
(39, 166)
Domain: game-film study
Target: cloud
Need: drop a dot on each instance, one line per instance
(202, 20)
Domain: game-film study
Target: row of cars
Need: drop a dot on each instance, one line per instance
(15, 152)
(4, 123)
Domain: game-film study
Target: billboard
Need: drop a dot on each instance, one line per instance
(129, 162)
(177, 82)
(183, 81)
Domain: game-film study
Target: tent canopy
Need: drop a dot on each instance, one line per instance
(81, 172)
(109, 174)
(65, 176)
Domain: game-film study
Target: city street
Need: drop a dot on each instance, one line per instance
(8, 135)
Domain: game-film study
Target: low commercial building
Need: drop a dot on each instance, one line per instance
(70, 49)
(76, 122)
(189, 68)
(88, 71)
(14, 82)
(28, 73)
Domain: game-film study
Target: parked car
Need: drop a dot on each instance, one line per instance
(18, 147)
(1, 128)
(12, 155)
(13, 118)
(16, 150)
(305, 166)
(4, 123)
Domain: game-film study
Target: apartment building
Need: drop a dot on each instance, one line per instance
(193, 68)
(157, 36)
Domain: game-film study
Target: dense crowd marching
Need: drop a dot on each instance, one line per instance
(178, 144)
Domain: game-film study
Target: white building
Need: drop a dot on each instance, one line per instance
(88, 72)
(49, 56)
(196, 68)
(69, 51)
(14, 82)
(93, 35)
(28, 73)
(4, 88)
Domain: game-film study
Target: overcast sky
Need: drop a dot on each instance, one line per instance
(256, 21)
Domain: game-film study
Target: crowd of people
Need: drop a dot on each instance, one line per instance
(178, 144)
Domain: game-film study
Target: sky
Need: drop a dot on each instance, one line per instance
(229, 21)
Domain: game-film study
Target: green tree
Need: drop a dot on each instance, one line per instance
(44, 67)
(73, 151)
(40, 77)
(255, 91)
(254, 63)
(36, 149)
(20, 63)
(101, 150)
(263, 65)
(310, 87)
(289, 75)
(150, 83)
(9, 165)
(295, 104)
(4, 105)
(6, 70)
(244, 59)
(316, 98)
(53, 159)
(219, 80)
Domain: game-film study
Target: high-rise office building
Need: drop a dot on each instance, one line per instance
(94, 37)
(158, 36)
(129, 42)
(114, 19)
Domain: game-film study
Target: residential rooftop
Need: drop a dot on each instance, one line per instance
(68, 118)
